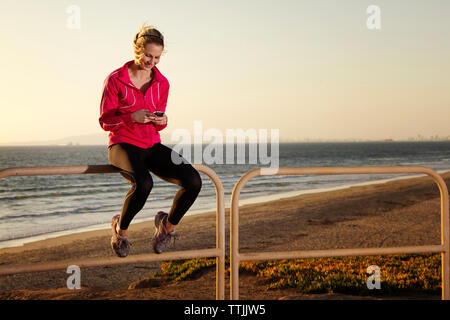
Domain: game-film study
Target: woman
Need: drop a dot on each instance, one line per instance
(131, 96)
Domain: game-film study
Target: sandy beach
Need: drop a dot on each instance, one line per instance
(395, 213)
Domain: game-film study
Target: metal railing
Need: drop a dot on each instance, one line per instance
(236, 256)
(218, 252)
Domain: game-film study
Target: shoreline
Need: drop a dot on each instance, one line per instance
(33, 240)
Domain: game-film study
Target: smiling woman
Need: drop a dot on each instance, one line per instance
(132, 109)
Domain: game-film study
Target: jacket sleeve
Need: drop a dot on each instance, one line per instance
(109, 121)
(162, 105)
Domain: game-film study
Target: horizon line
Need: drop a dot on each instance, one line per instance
(77, 144)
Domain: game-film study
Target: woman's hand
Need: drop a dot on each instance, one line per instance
(143, 116)
(160, 120)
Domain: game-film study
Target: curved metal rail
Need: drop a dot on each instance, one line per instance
(236, 256)
(218, 252)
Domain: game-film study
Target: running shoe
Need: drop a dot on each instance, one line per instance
(162, 238)
(119, 244)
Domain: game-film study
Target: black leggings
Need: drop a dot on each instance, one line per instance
(135, 164)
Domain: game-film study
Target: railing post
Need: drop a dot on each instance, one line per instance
(234, 229)
(220, 229)
(445, 234)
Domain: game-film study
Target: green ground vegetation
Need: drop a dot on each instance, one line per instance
(399, 274)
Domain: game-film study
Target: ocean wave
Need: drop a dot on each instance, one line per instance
(52, 213)
(60, 194)
(59, 187)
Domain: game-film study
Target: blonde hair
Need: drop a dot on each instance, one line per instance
(146, 35)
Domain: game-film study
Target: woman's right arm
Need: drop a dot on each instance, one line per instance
(109, 121)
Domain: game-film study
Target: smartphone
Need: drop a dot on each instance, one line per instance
(158, 113)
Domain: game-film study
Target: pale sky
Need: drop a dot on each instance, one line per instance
(312, 69)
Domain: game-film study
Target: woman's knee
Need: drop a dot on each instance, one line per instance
(193, 181)
(144, 185)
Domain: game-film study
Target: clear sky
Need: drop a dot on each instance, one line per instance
(312, 69)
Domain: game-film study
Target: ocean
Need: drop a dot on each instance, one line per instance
(38, 207)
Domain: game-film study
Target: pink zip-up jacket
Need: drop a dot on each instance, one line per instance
(121, 98)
